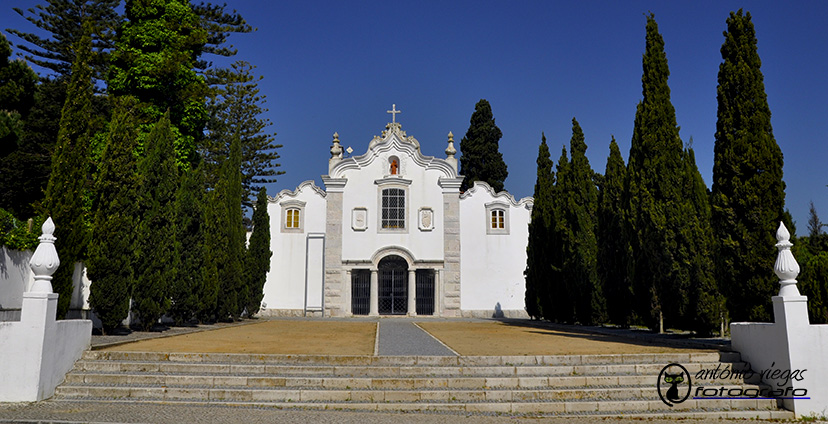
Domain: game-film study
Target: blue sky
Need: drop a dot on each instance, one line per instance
(338, 66)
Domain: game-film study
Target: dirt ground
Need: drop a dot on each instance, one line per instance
(506, 339)
(270, 337)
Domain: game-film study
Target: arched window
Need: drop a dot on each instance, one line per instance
(498, 219)
(393, 208)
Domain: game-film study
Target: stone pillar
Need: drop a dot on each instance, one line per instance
(333, 246)
(374, 305)
(412, 292)
(346, 293)
(790, 308)
(451, 246)
(437, 305)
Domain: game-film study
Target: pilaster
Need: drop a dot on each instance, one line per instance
(450, 300)
(334, 274)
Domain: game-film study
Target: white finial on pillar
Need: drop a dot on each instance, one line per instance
(451, 151)
(45, 259)
(786, 267)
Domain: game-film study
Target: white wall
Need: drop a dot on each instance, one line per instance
(15, 278)
(492, 265)
(361, 191)
(285, 285)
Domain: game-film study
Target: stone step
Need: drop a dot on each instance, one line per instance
(384, 370)
(122, 379)
(226, 358)
(375, 394)
(742, 409)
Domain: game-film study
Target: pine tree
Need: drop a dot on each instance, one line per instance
(538, 265)
(186, 288)
(112, 247)
(67, 186)
(481, 159)
(155, 53)
(61, 20)
(748, 194)
(257, 263)
(814, 223)
(613, 247)
(235, 108)
(579, 200)
(157, 258)
(653, 198)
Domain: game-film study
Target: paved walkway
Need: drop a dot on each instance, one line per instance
(402, 337)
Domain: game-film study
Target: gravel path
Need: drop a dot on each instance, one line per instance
(405, 338)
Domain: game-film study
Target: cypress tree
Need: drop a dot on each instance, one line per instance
(481, 159)
(538, 265)
(559, 302)
(579, 201)
(157, 258)
(112, 247)
(186, 288)
(705, 309)
(258, 255)
(748, 194)
(613, 247)
(232, 291)
(653, 198)
(68, 180)
(215, 255)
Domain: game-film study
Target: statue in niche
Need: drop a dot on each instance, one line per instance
(394, 167)
(426, 218)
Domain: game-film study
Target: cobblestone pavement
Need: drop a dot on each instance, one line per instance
(89, 412)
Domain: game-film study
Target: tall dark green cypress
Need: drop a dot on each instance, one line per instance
(257, 262)
(111, 258)
(579, 201)
(157, 257)
(215, 255)
(748, 194)
(705, 308)
(186, 288)
(68, 186)
(613, 247)
(558, 302)
(481, 159)
(232, 291)
(538, 265)
(653, 198)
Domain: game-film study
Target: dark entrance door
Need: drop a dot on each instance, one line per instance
(393, 286)
(425, 291)
(360, 291)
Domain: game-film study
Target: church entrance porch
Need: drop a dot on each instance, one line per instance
(393, 286)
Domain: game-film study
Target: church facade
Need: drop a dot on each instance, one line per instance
(391, 234)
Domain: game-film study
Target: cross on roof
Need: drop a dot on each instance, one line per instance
(393, 113)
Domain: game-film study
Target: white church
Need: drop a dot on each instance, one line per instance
(391, 234)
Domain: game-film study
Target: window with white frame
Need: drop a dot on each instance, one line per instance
(497, 218)
(293, 216)
(393, 208)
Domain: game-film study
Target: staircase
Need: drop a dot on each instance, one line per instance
(601, 385)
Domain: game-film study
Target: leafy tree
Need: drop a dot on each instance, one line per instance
(258, 254)
(17, 87)
(653, 192)
(62, 19)
(157, 256)
(25, 172)
(613, 248)
(235, 109)
(67, 186)
(538, 265)
(187, 286)
(481, 159)
(155, 53)
(111, 260)
(579, 201)
(748, 193)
